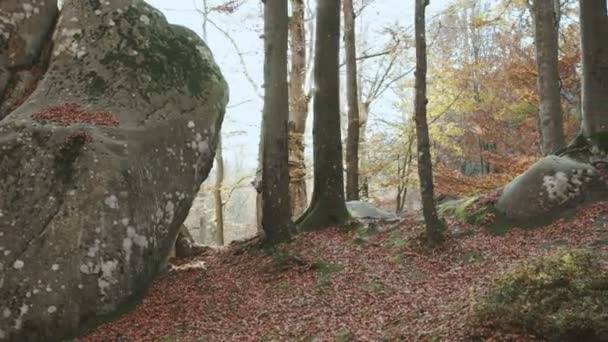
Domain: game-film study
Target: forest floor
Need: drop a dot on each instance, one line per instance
(338, 285)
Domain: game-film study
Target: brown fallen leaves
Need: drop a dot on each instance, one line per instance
(71, 113)
(383, 287)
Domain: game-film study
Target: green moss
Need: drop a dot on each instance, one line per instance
(395, 240)
(472, 257)
(169, 55)
(563, 297)
(324, 272)
(323, 213)
(93, 4)
(599, 140)
(458, 209)
(467, 210)
(96, 85)
(344, 335)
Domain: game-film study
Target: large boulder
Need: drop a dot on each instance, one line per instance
(366, 211)
(546, 188)
(99, 167)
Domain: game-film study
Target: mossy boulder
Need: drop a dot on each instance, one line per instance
(99, 166)
(547, 188)
(563, 297)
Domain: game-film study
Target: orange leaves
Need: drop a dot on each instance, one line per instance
(372, 286)
(71, 113)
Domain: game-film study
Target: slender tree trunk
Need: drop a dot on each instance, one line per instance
(352, 140)
(327, 206)
(276, 208)
(434, 226)
(404, 170)
(550, 112)
(217, 194)
(363, 151)
(594, 30)
(298, 111)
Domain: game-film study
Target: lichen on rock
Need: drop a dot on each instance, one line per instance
(90, 210)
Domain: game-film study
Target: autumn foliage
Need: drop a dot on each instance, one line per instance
(71, 113)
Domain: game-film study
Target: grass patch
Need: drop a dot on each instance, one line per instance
(473, 211)
(395, 240)
(563, 297)
(599, 243)
(281, 260)
(555, 244)
(364, 233)
(325, 270)
(373, 286)
(472, 257)
(283, 287)
(344, 335)
(397, 258)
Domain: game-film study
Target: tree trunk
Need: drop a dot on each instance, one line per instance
(352, 139)
(594, 30)
(434, 226)
(298, 110)
(327, 206)
(404, 168)
(276, 208)
(25, 44)
(550, 112)
(217, 194)
(363, 169)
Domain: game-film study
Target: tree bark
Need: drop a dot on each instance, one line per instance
(217, 194)
(327, 206)
(352, 139)
(594, 30)
(363, 170)
(550, 112)
(276, 216)
(404, 168)
(434, 226)
(298, 111)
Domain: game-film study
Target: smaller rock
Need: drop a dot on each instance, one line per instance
(366, 211)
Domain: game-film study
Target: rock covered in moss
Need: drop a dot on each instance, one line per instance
(546, 188)
(91, 204)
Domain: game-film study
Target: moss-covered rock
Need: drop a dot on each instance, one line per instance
(563, 297)
(92, 199)
(547, 188)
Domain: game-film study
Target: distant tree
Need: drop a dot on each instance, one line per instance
(327, 206)
(352, 139)
(594, 30)
(551, 125)
(298, 108)
(434, 226)
(217, 193)
(276, 209)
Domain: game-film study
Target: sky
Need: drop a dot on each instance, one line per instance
(241, 127)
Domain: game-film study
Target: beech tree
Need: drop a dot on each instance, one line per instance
(276, 216)
(551, 126)
(298, 108)
(434, 226)
(352, 139)
(594, 30)
(327, 206)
